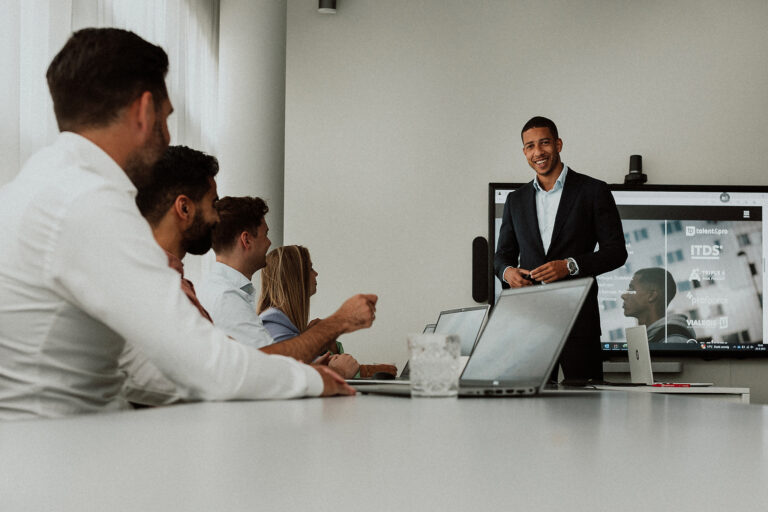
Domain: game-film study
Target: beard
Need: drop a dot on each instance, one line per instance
(138, 166)
(199, 237)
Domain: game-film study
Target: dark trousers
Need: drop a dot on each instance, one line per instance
(581, 359)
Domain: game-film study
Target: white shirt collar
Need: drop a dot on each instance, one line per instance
(233, 276)
(94, 159)
(560, 183)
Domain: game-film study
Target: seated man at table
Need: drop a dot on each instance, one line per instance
(179, 204)
(240, 242)
(81, 274)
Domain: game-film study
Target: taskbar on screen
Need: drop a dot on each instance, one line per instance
(693, 347)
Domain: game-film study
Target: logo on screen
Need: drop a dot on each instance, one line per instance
(706, 252)
(724, 322)
(707, 301)
(690, 230)
(707, 275)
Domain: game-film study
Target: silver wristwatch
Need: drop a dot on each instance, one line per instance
(573, 268)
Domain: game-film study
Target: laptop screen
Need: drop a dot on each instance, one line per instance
(465, 323)
(525, 334)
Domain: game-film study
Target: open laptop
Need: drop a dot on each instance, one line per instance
(466, 323)
(520, 344)
(639, 354)
(640, 371)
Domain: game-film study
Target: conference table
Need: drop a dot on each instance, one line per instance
(587, 451)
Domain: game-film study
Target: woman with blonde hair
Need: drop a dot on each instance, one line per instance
(287, 283)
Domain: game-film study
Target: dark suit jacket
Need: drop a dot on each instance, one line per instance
(586, 216)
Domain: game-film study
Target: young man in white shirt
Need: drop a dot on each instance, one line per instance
(80, 273)
(241, 243)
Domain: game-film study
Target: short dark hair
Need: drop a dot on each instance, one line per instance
(655, 278)
(540, 122)
(181, 170)
(100, 71)
(237, 214)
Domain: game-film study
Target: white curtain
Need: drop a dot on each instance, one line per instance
(33, 31)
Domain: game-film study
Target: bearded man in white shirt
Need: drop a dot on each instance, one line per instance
(80, 273)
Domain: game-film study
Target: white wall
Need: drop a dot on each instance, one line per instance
(399, 114)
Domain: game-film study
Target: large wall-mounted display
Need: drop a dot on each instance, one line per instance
(695, 274)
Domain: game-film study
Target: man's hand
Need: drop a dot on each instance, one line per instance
(344, 364)
(333, 384)
(357, 312)
(515, 277)
(550, 272)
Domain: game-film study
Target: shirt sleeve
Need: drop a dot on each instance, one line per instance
(278, 325)
(106, 262)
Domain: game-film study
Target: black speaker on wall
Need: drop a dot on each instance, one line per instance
(480, 269)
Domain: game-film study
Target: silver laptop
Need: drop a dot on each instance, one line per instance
(466, 323)
(520, 344)
(639, 354)
(640, 371)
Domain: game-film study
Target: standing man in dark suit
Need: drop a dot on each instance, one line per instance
(550, 230)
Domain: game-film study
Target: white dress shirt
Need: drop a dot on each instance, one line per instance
(81, 274)
(230, 299)
(547, 202)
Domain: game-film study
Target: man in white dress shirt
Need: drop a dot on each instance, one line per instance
(81, 274)
(241, 243)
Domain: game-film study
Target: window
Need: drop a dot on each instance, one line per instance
(693, 314)
(743, 240)
(616, 334)
(675, 256)
(658, 260)
(641, 234)
(683, 286)
(716, 310)
(674, 226)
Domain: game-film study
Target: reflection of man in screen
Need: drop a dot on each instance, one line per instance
(645, 300)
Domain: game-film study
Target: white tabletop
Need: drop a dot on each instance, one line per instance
(601, 451)
(741, 394)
